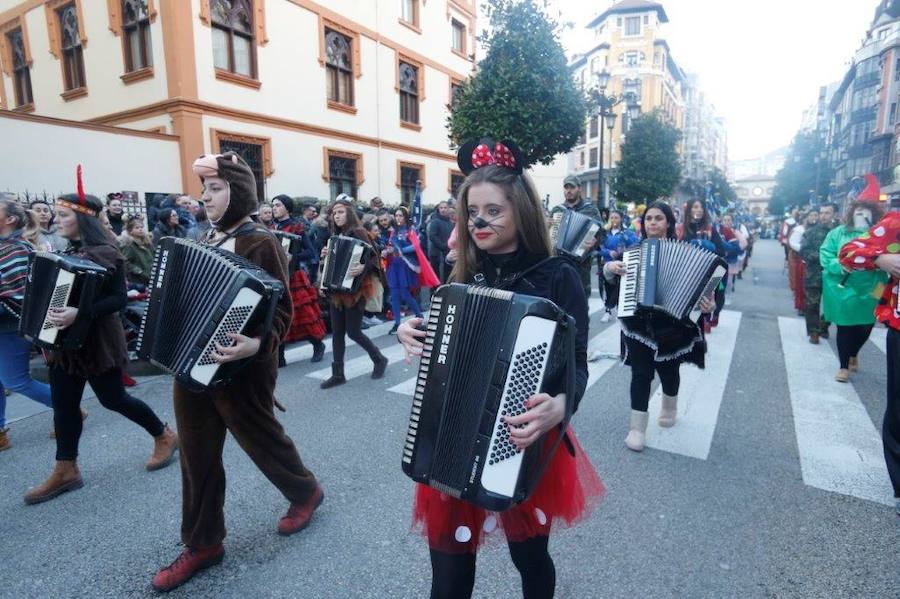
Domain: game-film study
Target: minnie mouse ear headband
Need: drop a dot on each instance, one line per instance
(80, 204)
(473, 155)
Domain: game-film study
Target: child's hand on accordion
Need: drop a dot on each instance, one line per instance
(409, 335)
(543, 412)
(707, 305)
(62, 318)
(244, 347)
(356, 270)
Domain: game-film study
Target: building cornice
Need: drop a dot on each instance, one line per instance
(48, 120)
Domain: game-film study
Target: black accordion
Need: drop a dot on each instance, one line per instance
(570, 231)
(293, 245)
(668, 276)
(341, 254)
(57, 281)
(486, 352)
(199, 294)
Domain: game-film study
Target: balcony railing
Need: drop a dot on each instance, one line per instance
(867, 80)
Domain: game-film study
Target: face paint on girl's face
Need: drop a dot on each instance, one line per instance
(862, 218)
(490, 222)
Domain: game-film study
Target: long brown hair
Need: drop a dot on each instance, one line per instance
(352, 227)
(528, 214)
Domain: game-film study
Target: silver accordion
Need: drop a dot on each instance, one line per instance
(342, 253)
(668, 276)
(486, 352)
(570, 231)
(198, 295)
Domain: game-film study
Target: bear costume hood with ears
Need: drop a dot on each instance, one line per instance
(241, 182)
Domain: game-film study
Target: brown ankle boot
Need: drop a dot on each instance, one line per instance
(4, 439)
(65, 477)
(164, 447)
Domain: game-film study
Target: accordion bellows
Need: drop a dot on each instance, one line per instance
(342, 253)
(668, 276)
(486, 352)
(199, 294)
(570, 231)
(57, 281)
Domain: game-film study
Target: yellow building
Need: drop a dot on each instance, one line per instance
(629, 46)
(321, 97)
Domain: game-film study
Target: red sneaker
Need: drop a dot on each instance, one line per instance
(299, 515)
(186, 565)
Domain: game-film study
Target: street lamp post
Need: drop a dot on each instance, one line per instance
(610, 124)
(604, 108)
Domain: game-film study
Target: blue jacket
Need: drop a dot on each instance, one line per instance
(618, 242)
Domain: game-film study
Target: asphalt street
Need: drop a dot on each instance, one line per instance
(754, 512)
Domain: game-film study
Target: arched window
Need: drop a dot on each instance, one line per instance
(21, 71)
(73, 59)
(339, 67)
(136, 35)
(233, 41)
(409, 93)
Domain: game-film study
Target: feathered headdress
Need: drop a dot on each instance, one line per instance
(82, 205)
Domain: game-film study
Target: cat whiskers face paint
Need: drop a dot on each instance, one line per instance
(490, 223)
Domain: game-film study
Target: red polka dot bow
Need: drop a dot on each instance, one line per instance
(482, 155)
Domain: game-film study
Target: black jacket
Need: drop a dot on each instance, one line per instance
(556, 279)
(439, 229)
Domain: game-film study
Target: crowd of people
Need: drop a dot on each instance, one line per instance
(503, 241)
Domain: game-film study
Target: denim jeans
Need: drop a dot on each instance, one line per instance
(15, 374)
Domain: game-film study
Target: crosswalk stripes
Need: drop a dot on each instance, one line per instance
(699, 397)
(361, 365)
(840, 450)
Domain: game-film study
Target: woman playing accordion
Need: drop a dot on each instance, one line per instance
(505, 245)
(655, 343)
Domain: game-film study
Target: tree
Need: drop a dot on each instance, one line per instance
(650, 167)
(721, 188)
(796, 181)
(523, 90)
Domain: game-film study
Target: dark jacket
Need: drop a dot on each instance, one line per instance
(164, 230)
(138, 261)
(439, 229)
(809, 251)
(557, 280)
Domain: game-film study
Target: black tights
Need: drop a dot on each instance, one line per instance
(453, 574)
(850, 339)
(66, 391)
(348, 321)
(643, 367)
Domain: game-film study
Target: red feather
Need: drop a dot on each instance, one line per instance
(80, 185)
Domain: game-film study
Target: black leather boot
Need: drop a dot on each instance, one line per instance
(318, 350)
(381, 364)
(337, 376)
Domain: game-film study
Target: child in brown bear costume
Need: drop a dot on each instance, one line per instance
(244, 406)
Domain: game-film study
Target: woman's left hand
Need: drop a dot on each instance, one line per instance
(244, 347)
(543, 412)
(62, 318)
(707, 306)
(356, 270)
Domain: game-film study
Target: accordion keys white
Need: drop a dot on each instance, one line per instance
(485, 353)
(668, 276)
(56, 281)
(570, 231)
(198, 295)
(341, 254)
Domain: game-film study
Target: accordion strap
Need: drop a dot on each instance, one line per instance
(245, 229)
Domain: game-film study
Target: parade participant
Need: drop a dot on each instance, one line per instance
(878, 249)
(266, 214)
(849, 298)
(101, 360)
(736, 243)
(654, 343)
(14, 350)
(44, 216)
(505, 245)
(618, 239)
(244, 406)
(346, 309)
(699, 230)
(406, 267)
(812, 283)
(306, 323)
(574, 201)
(808, 220)
(138, 252)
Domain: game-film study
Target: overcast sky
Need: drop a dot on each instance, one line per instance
(761, 62)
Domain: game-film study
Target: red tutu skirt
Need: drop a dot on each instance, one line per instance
(569, 491)
(307, 317)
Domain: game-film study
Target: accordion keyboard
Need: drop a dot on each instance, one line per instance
(234, 322)
(59, 299)
(419, 394)
(523, 379)
(628, 294)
